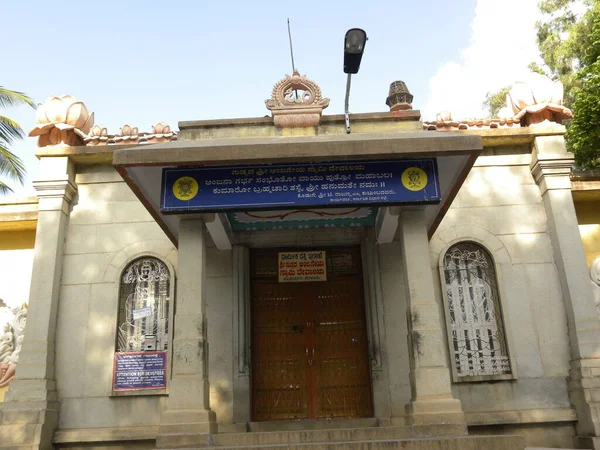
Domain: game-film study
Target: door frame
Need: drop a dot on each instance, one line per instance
(242, 405)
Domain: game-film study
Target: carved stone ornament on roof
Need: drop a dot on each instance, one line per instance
(62, 121)
(296, 101)
(444, 122)
(538, 102)
(161, 132)
(98, 136)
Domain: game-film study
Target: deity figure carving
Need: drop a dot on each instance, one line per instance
(11, 342)
(595, 279)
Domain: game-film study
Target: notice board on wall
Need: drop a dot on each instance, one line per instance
(140, 370)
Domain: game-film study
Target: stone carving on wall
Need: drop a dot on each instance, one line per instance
(62, 121)
(296, 101)
(595, 277)
(11, 340)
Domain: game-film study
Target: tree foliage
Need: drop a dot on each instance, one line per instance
(11, 165)
(563, 36)
(583, 134)
(495, 101)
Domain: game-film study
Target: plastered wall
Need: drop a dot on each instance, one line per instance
(500, 207)
(108, 227)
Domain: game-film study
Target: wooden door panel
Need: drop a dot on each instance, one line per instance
(343, 378)
(279, 381)
(309, 342)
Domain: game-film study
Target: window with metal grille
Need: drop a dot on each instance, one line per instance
(476, 331)
(144, 306)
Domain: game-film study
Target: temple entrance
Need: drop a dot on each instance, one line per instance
(309, 348)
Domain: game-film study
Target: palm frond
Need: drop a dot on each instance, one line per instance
(14, 98)
(10, 130)
(4, 188)
(11, 165)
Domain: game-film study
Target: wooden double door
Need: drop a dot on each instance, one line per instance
(309, 351)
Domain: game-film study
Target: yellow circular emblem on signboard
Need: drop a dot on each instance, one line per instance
(185, 188)
(414, 179)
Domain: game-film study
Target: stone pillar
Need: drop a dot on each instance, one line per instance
(551, 166)
(29, 415)
(188, 418)
(431, 394)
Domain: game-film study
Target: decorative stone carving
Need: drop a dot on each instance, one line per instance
(98, 136)
(399, 97)
(161, 132)
(444, 116)
(536, 103)
(595, 277)
(127, 135)
(11, 342)
(296, 101)
(62, 121)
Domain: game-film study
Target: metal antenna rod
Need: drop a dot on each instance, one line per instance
(291, 49)
(292, 53)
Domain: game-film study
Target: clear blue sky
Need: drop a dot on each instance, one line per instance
(141, 62)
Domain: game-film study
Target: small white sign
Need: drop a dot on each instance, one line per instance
(142, 313)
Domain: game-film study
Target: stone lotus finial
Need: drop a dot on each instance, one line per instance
(62, 121)
(98, 136)
(128, 132)
(538, 102)
(161, 132)
(444, 116)
(296, 101)
(161, 128)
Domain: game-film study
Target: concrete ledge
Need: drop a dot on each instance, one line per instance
(18, 213)
(81, 435)
(300, 148)
(520, 416)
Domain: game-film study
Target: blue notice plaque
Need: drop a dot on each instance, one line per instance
(337, 184)
(140, 370)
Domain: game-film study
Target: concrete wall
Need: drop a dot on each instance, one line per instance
(108, 228)
(500, 207)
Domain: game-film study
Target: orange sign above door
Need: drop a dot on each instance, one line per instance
(297, 267)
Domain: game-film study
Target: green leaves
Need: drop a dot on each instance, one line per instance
(11, 165)
(10, 98)
(495, 101)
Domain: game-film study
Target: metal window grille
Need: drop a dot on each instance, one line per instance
(144, 305)
(478, 338)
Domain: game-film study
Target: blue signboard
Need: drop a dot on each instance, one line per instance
(337, 184)
(140, 370)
